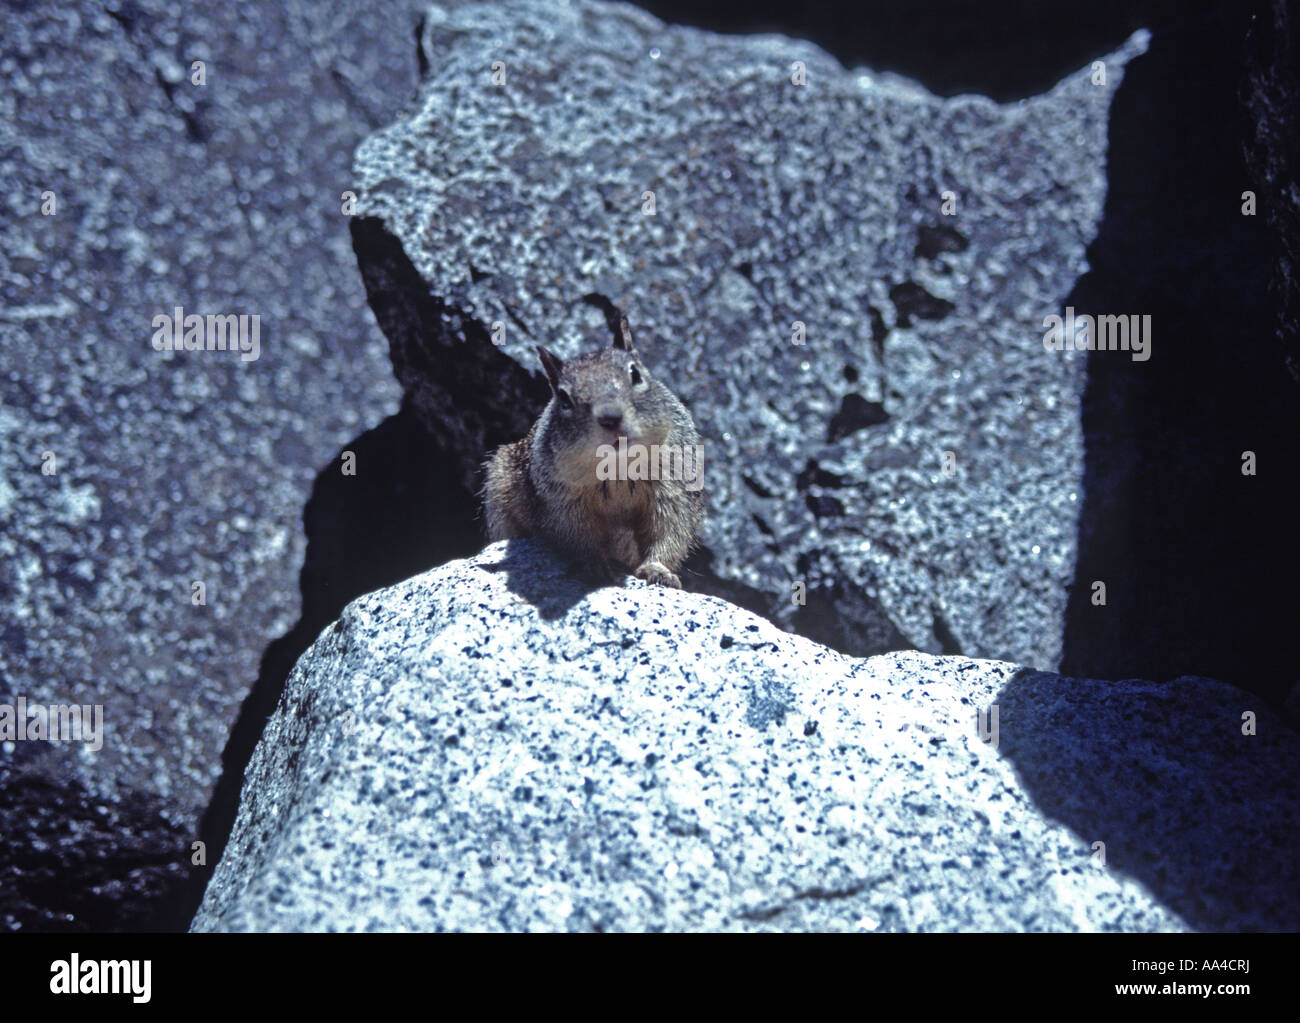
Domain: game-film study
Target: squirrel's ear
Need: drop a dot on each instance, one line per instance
(553, 366)
(623, 339)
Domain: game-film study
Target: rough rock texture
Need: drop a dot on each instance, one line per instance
(227, 200)
(523, 204)
(491, 747)
(223, 198)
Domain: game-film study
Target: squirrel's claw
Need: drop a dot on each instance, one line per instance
(656, 573)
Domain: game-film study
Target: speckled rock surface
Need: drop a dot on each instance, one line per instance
(171, 467)
(491, 747)
(523, 204)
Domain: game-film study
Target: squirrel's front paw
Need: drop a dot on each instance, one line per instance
(656, 573)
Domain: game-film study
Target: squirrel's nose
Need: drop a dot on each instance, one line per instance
(608, 416)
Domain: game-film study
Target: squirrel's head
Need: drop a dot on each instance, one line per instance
(600, 397)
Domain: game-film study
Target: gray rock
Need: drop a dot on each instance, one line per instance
(520, 206)
(171, 468)
(491, 747)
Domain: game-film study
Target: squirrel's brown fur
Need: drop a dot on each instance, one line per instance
(549, 484)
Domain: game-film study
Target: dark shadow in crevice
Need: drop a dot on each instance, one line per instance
(75, 861)
(402, 512)
(826, 609)
(698, 576)
(1170, 786)
(1004, 49)
(468, 392)
(1198, 560)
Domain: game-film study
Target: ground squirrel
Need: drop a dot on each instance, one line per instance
(611, 472)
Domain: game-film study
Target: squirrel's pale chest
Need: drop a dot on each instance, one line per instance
(623, 502)
(620, 513)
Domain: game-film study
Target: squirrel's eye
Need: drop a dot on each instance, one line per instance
(566, 402)
(634, 373)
